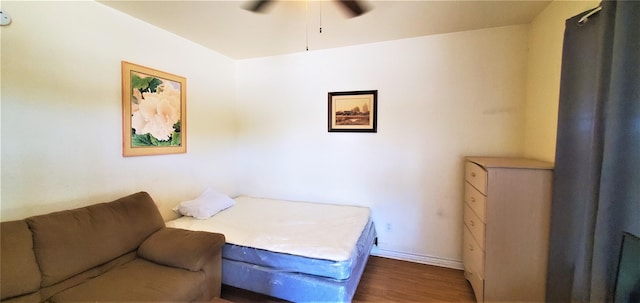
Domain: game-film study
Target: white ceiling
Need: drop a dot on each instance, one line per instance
(290, 26)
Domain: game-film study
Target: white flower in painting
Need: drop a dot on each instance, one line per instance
(157, 112)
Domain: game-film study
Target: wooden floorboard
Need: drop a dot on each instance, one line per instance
(389, 280)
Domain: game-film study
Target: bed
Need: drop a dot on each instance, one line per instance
(296, 251)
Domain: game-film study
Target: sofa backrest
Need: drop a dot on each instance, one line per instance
(19, 272)
(69, 242)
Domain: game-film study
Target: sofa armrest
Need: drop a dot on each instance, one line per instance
(181, 248)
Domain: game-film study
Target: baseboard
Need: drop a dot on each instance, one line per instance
(437, 261)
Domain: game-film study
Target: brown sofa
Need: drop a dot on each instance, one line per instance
(115, 251)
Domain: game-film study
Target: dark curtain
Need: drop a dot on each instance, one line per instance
(596, 195)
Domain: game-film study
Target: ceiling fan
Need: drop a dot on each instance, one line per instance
(353, 7)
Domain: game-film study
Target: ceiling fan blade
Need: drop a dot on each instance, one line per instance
(258, 5)
(353, 6)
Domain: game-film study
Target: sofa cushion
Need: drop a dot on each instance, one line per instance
(49, 291)
(181, 248)
(33, 297)
(138, 281)
(19, 272)
(72, 241)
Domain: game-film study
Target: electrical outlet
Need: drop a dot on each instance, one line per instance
(389, 227)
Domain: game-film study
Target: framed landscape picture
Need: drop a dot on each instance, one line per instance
(353, 111)
(154, 116)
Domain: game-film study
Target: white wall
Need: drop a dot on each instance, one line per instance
(258, 126)
(61, 110)
(543, 76)
(440, 98)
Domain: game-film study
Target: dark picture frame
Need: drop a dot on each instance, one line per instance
(353, 111)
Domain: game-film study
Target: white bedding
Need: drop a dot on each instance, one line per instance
(314, 230)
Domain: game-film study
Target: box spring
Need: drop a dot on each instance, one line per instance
(291, 284)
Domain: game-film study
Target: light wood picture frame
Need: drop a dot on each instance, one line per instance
(353, 111)
(154, 111)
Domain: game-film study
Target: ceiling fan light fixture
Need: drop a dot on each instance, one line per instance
(353, 7)
(258, 6)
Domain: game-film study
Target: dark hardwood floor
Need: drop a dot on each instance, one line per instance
(389, 280)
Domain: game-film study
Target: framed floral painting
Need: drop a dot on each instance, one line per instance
(154, 116)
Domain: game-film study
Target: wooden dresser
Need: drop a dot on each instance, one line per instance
(506, 227)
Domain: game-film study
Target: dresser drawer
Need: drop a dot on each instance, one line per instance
(476, 200)
(472, 254)
(474, 224)
(476, 176)
(476, 283)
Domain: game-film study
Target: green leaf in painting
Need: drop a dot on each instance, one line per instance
(137, 82)
(157, 142)
(144, 85)
(176, 139)
(141, 84)
(141, 140)
(153, 84)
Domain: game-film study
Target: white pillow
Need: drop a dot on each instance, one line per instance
(206, 205)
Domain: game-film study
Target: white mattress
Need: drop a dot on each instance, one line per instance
(313, 230)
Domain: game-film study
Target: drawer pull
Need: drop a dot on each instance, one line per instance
(473, 174)
(470, 247)
(472, 223)
(473, 199)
